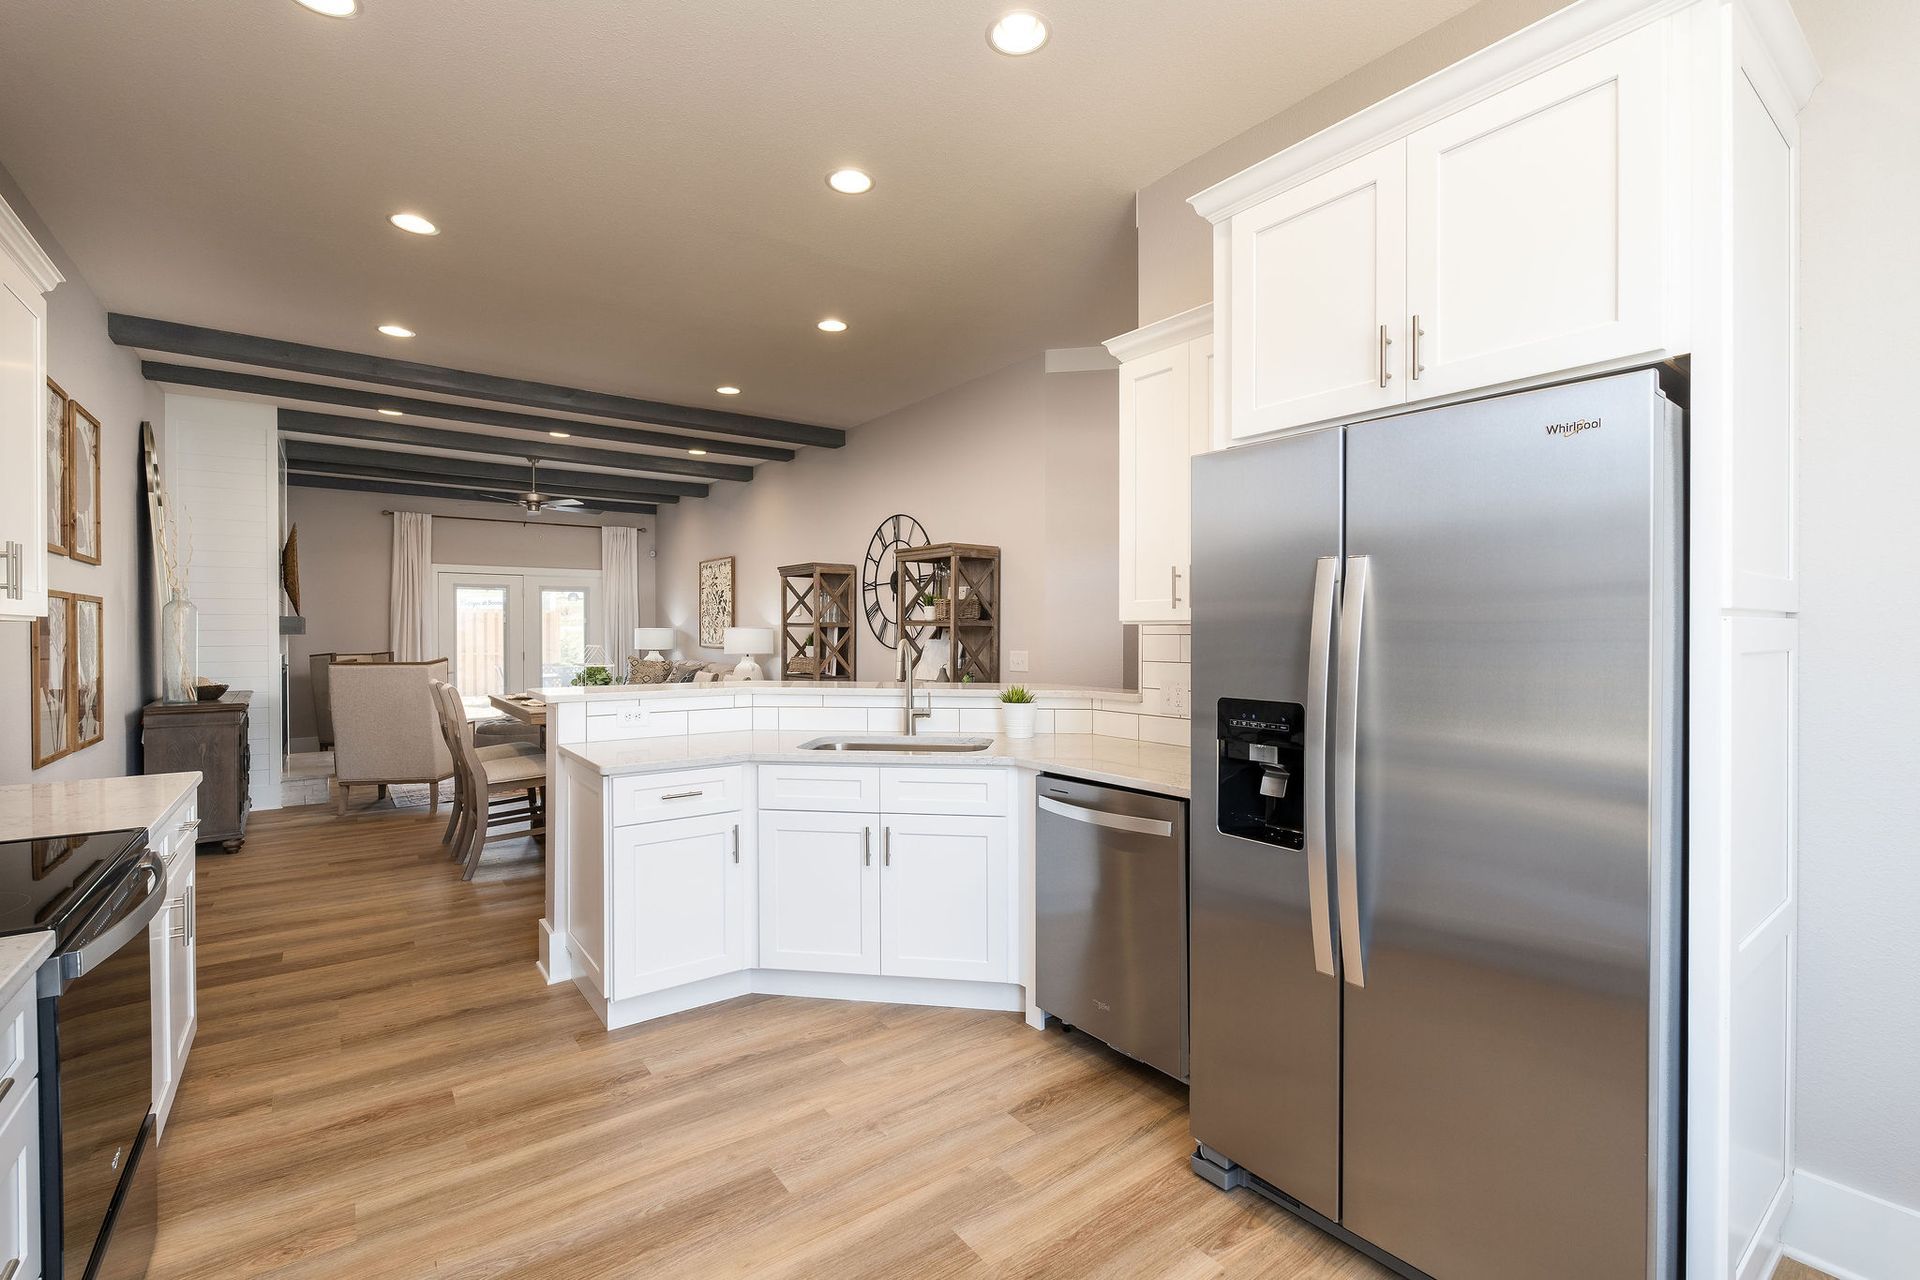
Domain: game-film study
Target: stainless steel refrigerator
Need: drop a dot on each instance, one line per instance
(1436, 852)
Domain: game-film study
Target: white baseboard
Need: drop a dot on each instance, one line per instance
(555, 963)
(1849, 1234)
(1762, 1254)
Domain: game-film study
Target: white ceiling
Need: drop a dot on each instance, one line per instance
(631, 192)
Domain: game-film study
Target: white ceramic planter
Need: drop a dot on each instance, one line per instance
(1016, 719)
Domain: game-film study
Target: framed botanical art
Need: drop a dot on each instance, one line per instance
(716, 600)
(89, 671)
(50, 649)
(56, 497)
(83, 484)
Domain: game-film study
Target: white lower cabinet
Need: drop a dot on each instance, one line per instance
(943, 897)
(173, 950)
(20, 1181)
(819, 891)
(680, 895)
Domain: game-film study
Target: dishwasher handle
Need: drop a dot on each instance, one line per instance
(1101, 818)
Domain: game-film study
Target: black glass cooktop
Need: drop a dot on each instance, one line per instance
(57, 882)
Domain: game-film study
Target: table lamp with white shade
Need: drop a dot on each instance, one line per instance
(655, 640)
(746, 642)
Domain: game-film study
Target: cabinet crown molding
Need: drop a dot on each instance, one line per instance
(1584, 25)
(1161, 334)
(25, 250)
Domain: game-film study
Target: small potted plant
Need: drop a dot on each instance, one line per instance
(1016, 711)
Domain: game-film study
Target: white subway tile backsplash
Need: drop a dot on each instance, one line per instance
(979, 720)
(1066, 721)
(720, 720)
(891, 721)
(1114, 724)
(1174, 732)
(1159, 648)
(819, 719)
(766, 719)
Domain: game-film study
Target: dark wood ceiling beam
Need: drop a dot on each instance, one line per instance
(422, 466)
(350, 484)
(558, 488)
(271, 353)
(305, 422)
(188, 375)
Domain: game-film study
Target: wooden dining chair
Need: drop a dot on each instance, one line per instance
(511, 771)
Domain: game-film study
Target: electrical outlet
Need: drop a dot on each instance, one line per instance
(1017, 660)
(634, 717)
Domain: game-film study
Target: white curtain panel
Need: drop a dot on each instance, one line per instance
(410, 602)
(620, 586)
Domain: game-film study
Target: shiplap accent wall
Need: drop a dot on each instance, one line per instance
(222, 472)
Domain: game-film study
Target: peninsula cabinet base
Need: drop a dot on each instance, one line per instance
(942, 993)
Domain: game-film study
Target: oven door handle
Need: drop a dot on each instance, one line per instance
(127, 921)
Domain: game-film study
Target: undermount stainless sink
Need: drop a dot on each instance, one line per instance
(930, 742)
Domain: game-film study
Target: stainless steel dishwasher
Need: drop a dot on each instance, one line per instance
(1110, 946)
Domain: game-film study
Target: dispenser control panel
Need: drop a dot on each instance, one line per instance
(1262, 770)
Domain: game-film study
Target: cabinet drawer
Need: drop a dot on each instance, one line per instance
(981, 792)
(820, 788)
(19, 1049)
(686, 793)
(20, 1185)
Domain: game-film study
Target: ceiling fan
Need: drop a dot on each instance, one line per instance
(534, 501)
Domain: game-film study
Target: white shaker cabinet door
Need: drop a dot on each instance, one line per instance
(1155, 404)
(679, 903)
(944, 898)
(23, 432)
(1319, 298)
(819, 891)
(1534, 224)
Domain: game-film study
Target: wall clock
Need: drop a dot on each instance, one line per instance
(876, 577)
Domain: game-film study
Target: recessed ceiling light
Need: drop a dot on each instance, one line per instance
(728, 391)
(396, 331)
(415, 223)
(1020, 32)
(832, 326)
(391, 413)
(850, 182)
(331, 8)
(698, 453)
(561, 435)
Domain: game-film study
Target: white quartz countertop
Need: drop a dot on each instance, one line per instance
(828, 690)
(1145, 766)
(20, 958)
(38, 810)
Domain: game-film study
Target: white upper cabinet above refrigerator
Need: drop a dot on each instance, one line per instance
(1166, 396)
(1325, 272)
(1523, 235)
(1534, 224)
(26, 276)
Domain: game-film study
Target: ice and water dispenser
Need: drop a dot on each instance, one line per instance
(1262, 771)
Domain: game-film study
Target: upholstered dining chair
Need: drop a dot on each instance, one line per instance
(502, 771)
(386, 729)
(319, 669)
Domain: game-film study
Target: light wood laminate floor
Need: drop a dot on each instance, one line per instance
(383, 1086)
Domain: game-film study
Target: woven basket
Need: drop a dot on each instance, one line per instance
(803, 666)
(943, 611)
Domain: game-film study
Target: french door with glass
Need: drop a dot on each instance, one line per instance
(504, 631)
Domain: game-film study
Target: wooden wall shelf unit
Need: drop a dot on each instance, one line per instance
(952, 589)
(818, 638)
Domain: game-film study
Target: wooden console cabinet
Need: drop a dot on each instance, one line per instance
(178, 737)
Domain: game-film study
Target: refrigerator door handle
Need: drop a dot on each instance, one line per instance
(1346, 731)
(1326, 586)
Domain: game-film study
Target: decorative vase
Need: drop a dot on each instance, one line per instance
(1017, 719)
(179, 649)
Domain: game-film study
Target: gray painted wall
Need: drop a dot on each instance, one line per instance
(1858, 1086)
(105, 379)
(1020, 459)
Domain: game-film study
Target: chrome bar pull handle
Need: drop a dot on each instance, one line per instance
(10, 559)
(1326, 586)
(1385, 342)
(1346, 732)
(1415, 368)
(736, 842)
(866, 846)
(886, 846)
(682, 795)
(1173, 586)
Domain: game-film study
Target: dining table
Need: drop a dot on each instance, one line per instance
(524, 707)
